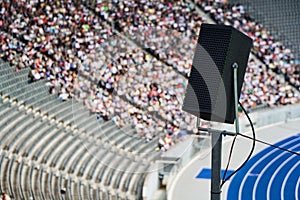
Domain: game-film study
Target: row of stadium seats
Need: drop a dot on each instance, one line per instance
(43, 156)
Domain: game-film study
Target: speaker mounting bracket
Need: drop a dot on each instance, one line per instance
(216, 141)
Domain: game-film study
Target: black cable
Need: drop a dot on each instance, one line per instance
(250, 154)
(229, 158)
(252, 150)
(272, 145)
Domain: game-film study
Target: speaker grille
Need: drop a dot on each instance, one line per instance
(216, 42)
(208, 62)
(210, 90)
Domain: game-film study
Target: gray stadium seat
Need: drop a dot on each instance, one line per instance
(9, 177)
(21, 135)
(29, 182)
(6, 73)
(55, 147)
(47, 144)
(58, 184)
(19, 179)
(70, 154)
(12, 131)
(2, 170)
(8, 112)
(123, 136)
(95, 165)
(69, 189)
(84, 151)
(57, 152)
(91, 193)
(34, 141)
(84, 167)
(41, 183)
(44, 101)
(23, 140)
(115, 180)
(50, 185)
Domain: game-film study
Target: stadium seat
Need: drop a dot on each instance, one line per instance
(23, 136)
(16, 127)
(19, 179)
(47, 144)
(47, 157)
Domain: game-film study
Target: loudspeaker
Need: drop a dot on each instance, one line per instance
(210, 92)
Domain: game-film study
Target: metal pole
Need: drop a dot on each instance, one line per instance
(216, 141)
(211, 130)
(236, 99)
(198, 122)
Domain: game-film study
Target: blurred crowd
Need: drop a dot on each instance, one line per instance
(261, 86)
(142, 81)
(168, 30)
(83, 58)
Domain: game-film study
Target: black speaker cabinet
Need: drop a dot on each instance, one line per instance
(210, 92)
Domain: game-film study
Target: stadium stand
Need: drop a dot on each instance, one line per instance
(272, 52)
(254, 95)
(40, 150)
(280, 18)
(124, 63)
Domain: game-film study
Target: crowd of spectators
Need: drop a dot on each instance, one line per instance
(88, 65)
(82, 56)
(265, 88)
(169, 29)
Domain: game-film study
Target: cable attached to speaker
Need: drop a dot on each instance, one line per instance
(224, 179)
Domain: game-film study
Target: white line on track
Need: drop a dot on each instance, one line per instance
(297, 189)
(256, 163)
(277, 171)
(266, 167)
(286, 178)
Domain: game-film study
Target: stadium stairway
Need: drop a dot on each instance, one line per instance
(57, 150)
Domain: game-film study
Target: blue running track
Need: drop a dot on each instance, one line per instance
(272, 174)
